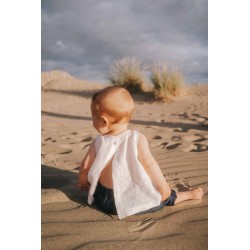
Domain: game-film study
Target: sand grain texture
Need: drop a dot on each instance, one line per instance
(178, 137)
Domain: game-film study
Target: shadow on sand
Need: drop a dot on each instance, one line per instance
(184, 126)
(66, 182)
(63, 180)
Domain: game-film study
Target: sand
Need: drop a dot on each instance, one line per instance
(178, 136)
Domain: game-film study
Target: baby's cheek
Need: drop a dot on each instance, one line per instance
(102, 130)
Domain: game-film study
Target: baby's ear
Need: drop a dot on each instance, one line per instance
(105, 120)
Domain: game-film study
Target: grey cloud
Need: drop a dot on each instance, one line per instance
(85, 37)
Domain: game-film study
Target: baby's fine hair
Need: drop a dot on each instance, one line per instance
(115, 103)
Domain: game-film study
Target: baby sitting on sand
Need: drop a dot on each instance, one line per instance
(119, 172)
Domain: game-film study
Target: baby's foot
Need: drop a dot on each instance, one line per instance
(197, 193)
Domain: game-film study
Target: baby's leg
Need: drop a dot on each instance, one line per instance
(195, 194)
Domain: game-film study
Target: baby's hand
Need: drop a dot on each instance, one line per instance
(83, 187)
(83, 180)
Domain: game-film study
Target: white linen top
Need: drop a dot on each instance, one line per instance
(133, 190)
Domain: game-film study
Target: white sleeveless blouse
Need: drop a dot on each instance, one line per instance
(133, 190)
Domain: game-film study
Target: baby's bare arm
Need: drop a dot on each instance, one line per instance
(152, 168)
(85, 166)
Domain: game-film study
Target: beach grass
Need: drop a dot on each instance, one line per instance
(128, 73)
(167, 81)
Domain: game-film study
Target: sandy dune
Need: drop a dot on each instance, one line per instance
(178, 136)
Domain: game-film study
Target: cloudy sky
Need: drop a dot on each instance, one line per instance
(85, 37)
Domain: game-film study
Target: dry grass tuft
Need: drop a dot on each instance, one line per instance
(128, 73)
(167, 82)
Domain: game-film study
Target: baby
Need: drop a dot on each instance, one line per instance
(119, 171)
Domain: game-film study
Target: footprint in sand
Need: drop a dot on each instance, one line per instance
(47, 139)
(87, 145)
(190, 147)
(188, 138)
(200, 119)
(187, 146)
(142, 226)
(52, 149)
(176, 138)
(173, 146)
(195, 143)
(191, 138)
(178, 130)
(205, 136)
(74, 138)
(177, 141)
(69, 137)
(170, 145)
(205, 123)
(188, 143)
(179, 184)
(156, 142)
(204, 143)
(87, 139)
(184, 115)
(196, 115)
(157, 137)
(201, 148)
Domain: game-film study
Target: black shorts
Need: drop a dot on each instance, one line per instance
(105, 200)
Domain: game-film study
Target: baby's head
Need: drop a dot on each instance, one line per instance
(111, 107)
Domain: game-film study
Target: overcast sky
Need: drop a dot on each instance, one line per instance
(85, 37)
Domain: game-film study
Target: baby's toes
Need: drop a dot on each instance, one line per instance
(201, 193)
